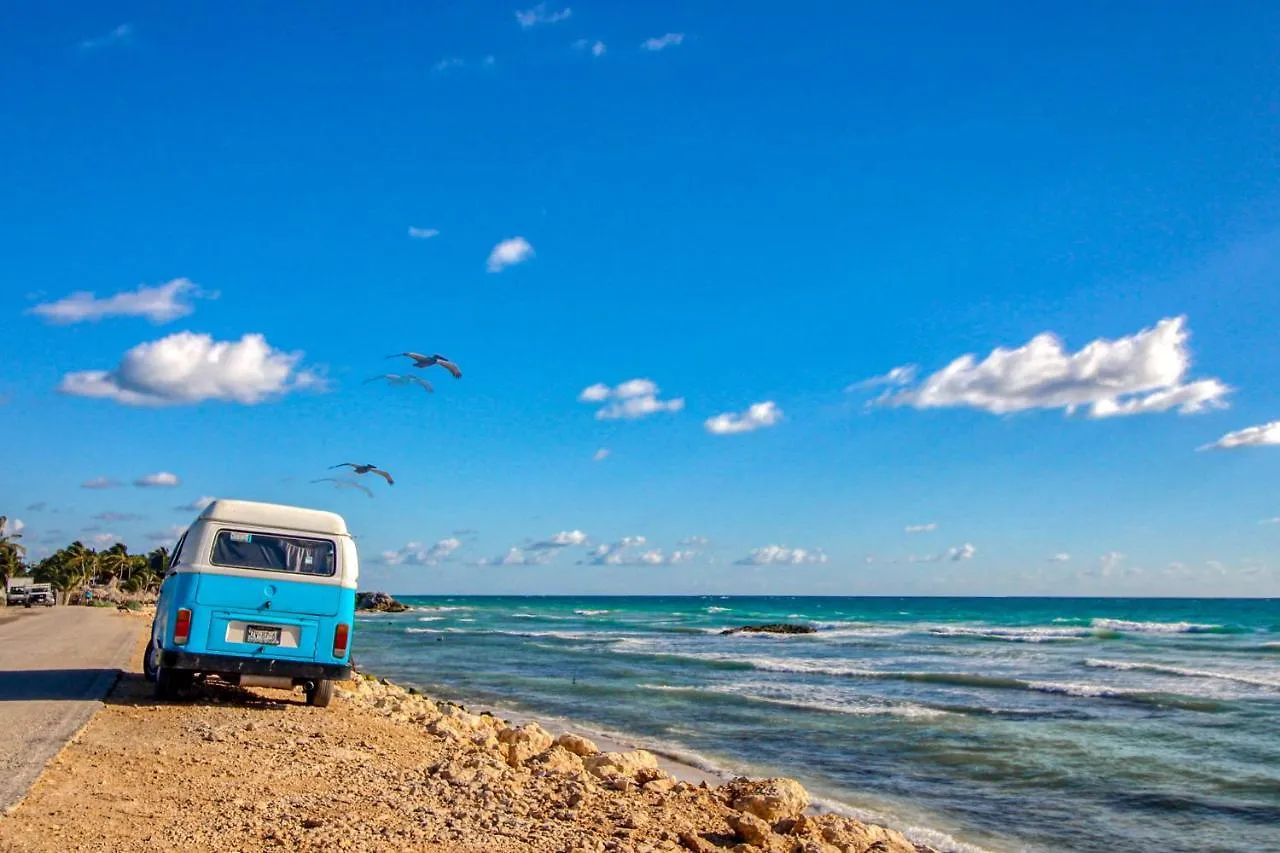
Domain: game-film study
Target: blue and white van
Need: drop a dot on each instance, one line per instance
(257, 594)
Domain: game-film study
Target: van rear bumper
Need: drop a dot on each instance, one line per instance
(231, 665)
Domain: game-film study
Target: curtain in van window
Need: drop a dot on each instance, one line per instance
(273, 553)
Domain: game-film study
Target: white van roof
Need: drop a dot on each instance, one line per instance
(275, 515)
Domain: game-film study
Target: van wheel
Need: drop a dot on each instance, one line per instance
(319, 694)
(151, 660)
(171, 682)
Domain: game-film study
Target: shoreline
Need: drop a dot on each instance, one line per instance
(384, 768)
(694, 769)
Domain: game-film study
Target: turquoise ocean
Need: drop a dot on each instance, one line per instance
(976, 724)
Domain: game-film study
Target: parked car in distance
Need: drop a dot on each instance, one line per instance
(41, 594)
(16, 590)
(257, 594)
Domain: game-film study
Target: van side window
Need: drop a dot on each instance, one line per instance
(274, 553)
(177, 552)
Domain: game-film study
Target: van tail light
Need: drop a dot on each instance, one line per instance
(182, 627)
(341, 636)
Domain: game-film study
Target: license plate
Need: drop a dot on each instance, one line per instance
(259, 635)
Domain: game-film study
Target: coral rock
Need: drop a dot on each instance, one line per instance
(771, 800)
(628, 764)
(577, 744)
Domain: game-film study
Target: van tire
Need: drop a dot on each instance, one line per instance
(319, 694)
(170, 683)
(151, 659)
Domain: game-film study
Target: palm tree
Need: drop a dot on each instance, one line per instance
(115, 561)
(11, 553)
(158, 561)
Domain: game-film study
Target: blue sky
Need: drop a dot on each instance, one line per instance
(743, 205)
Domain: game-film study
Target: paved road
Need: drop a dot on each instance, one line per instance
(55, 665)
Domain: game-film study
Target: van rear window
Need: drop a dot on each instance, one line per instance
(273, 553)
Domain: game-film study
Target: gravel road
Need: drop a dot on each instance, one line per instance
(55, 665)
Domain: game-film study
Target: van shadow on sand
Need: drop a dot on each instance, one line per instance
(134, 690)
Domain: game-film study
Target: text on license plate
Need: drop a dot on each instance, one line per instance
(261, 635)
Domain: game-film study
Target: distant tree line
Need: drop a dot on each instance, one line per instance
(71, 569)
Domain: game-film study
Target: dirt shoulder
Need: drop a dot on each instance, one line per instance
(384, 769)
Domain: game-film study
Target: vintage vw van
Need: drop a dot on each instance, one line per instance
(259, 595)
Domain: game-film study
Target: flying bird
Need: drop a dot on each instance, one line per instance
(367, 469)
(420, 360)
(397, 379)
(345, 484)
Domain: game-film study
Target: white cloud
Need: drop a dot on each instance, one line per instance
(780, 554)
(196, 505)
(417, 554)
(169, 534)
(12, 527)
(1059, 558)
(508, 253)
(1139, 373)
(160, 479)
(695, 542)
(600, 455)
(596, 48)
(99, 483)
(1263, 435)
(517, 557)
(118, 516)
(617, 553)
(121, 35)
(159, 304)
(662, 42)
(758, 416)
(189, 368)
(904, 375)
(1275, 520)
(539, 15)
(423, 233)
(960, 552)
(1110, 563)
(921, 528)
(635, 398)
(563, 539)
(447, 63)
(104, 540)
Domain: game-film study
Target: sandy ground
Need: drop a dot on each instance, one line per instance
(383, 769)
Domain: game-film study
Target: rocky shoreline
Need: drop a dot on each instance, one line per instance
(766, 815)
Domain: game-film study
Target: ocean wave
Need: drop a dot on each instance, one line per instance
(813, 701)
(431, 618)
(1016, 635)
(1129, 627)
(592, 612)
(803, 666)
(1164, 669)
(442, 608)
(717, 609)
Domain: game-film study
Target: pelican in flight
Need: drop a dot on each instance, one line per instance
(420, 360)
(398, 379)
(345, 484)
(367, 469)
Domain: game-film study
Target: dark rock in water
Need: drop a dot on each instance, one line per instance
(774, 628)
(380, 602)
